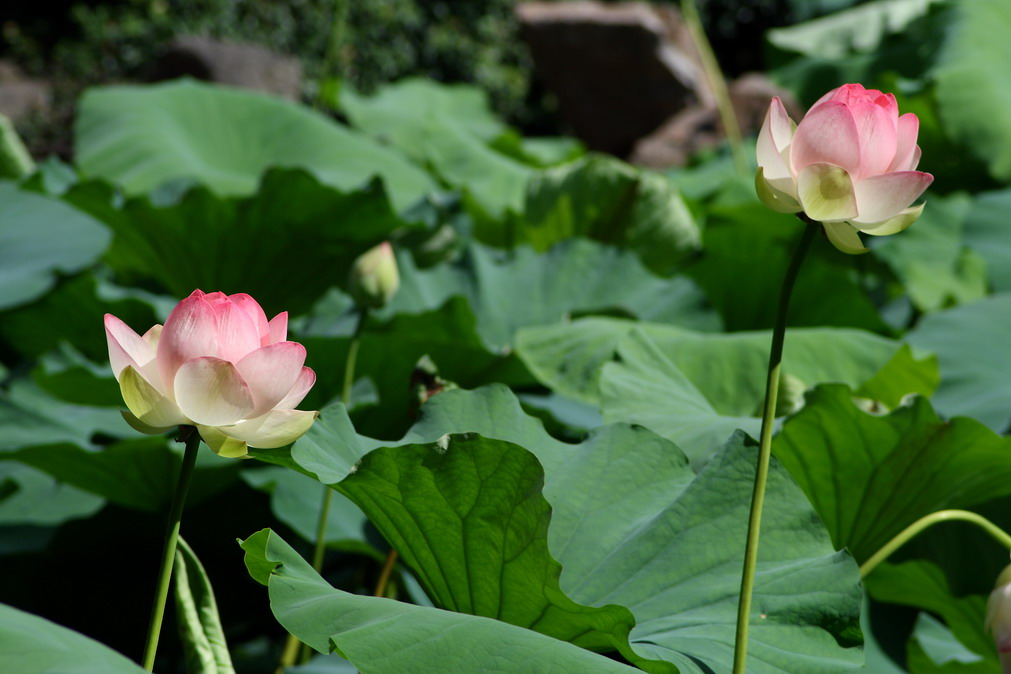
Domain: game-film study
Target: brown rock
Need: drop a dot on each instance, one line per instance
(240, 65)
(699, 128)
(21, 96)
(618, 70)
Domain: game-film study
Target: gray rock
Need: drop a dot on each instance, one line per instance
(240, 65)
(20, 96)
(698, 127)
(618, 70)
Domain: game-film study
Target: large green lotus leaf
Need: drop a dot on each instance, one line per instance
(870, 476)
(922, 584)
(33, 645)
(446, 129)
(747, 250)
(679, 572)
(615, 514)
(71, 377)
(858, 29)
(901, 376)
(382, 635)
(29, 416)
(285, 245)
(72, 312)
(29, 496)
(935, 268)
(607, 200)
(728, 369)
(986, 232)
(143, 136)
(324, 664)
(395, 110)
(510, 290)
(645, 387)
(40, 238)
(973, 86)
(933, 649)
(539, 151)
(970, 343)
(467, 515)
(139, 474)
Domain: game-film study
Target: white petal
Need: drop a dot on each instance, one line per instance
(826, 193)
(891, 225)
(305, 381)
(147, 403)
(211, 392)
(276, 428)
(844, 237)
(270, 372)
(221, 444)
(885, 196)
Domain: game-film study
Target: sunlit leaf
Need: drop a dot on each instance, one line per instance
(383, 635)
(41, 238)
(225, 138)
(969, 341)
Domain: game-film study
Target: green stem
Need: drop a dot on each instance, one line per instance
(291, 648)
(192, 439)
(765, 447)
(717, 83)
(349, 366)
(385, 573)
(926, 521)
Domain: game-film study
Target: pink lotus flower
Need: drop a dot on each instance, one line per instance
(849, 164)
(219, 365)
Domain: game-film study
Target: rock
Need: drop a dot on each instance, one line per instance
(619, 70)
(240, 65)
(21, 96)
(698, 127)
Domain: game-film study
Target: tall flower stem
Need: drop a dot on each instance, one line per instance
(385, 573)
(291, 647)
(717, 83)
(349, 380)
(189, 435)
(927, 521)
(765, 446)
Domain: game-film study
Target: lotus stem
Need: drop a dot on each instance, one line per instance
(384, 575)
(717, 82)
(765, 447)
(927, 521)
(189, 435)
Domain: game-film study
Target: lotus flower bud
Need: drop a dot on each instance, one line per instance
(217, 364)
(850, 164)
(998, 618)
(374, 277)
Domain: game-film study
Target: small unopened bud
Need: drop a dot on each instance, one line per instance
(374, 277)
(998, 618)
